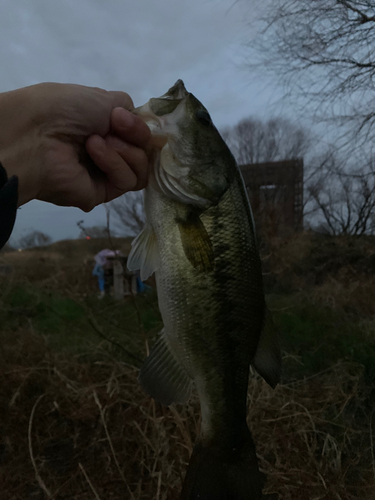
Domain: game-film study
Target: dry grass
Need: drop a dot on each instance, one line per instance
(66, 264)
(78, 426)
(50, 271)
(74, 429)
(89, 426)
(350, 292)
(307, 259)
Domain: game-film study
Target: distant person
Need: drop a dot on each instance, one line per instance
(98, 271)
(103, 270)
(70, 145)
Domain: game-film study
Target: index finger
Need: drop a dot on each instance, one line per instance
(121, 100)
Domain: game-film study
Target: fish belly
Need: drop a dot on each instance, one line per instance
(212, 319)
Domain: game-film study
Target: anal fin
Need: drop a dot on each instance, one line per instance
(163, 376)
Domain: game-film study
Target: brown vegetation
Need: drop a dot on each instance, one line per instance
(75, 429)
(77, 425)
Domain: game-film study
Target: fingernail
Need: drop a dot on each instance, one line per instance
(126, 118)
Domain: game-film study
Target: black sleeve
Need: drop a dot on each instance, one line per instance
(8, 205)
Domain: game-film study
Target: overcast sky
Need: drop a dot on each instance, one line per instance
(139, 46)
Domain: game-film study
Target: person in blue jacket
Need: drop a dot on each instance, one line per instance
(70, 145)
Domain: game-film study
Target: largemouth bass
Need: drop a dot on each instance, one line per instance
(199, 239)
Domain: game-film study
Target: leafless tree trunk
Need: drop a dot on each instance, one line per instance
(344, 198)
(127, 213)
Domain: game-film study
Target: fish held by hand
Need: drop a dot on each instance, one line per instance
(199, 240)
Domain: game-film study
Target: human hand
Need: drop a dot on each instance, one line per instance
(72, 145)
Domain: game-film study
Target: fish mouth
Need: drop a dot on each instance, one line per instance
(169, 101)
(158, 138)
(164, 116)
(157, 107)
(177, 91)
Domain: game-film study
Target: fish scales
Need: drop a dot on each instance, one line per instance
(201, 241)
(219, 306)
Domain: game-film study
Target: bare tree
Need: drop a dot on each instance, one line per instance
(256, 141)
(34, 239)
(128, 213)
(339, 193)
(344, 198)
(323, 50)
(323, 53)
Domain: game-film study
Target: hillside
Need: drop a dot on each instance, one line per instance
(74, 422)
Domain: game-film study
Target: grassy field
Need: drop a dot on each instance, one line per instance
(74, 423)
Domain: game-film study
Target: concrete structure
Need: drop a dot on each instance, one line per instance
(124, 282)
(275, 190)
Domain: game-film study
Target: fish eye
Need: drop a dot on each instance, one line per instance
(203, 117)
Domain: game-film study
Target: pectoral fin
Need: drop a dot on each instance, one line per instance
(267, 359)
(163, 377)
(144, 254)
(196, 243)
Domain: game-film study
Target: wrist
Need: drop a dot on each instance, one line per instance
(19, 142)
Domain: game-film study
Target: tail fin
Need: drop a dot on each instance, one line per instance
(217, 473)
